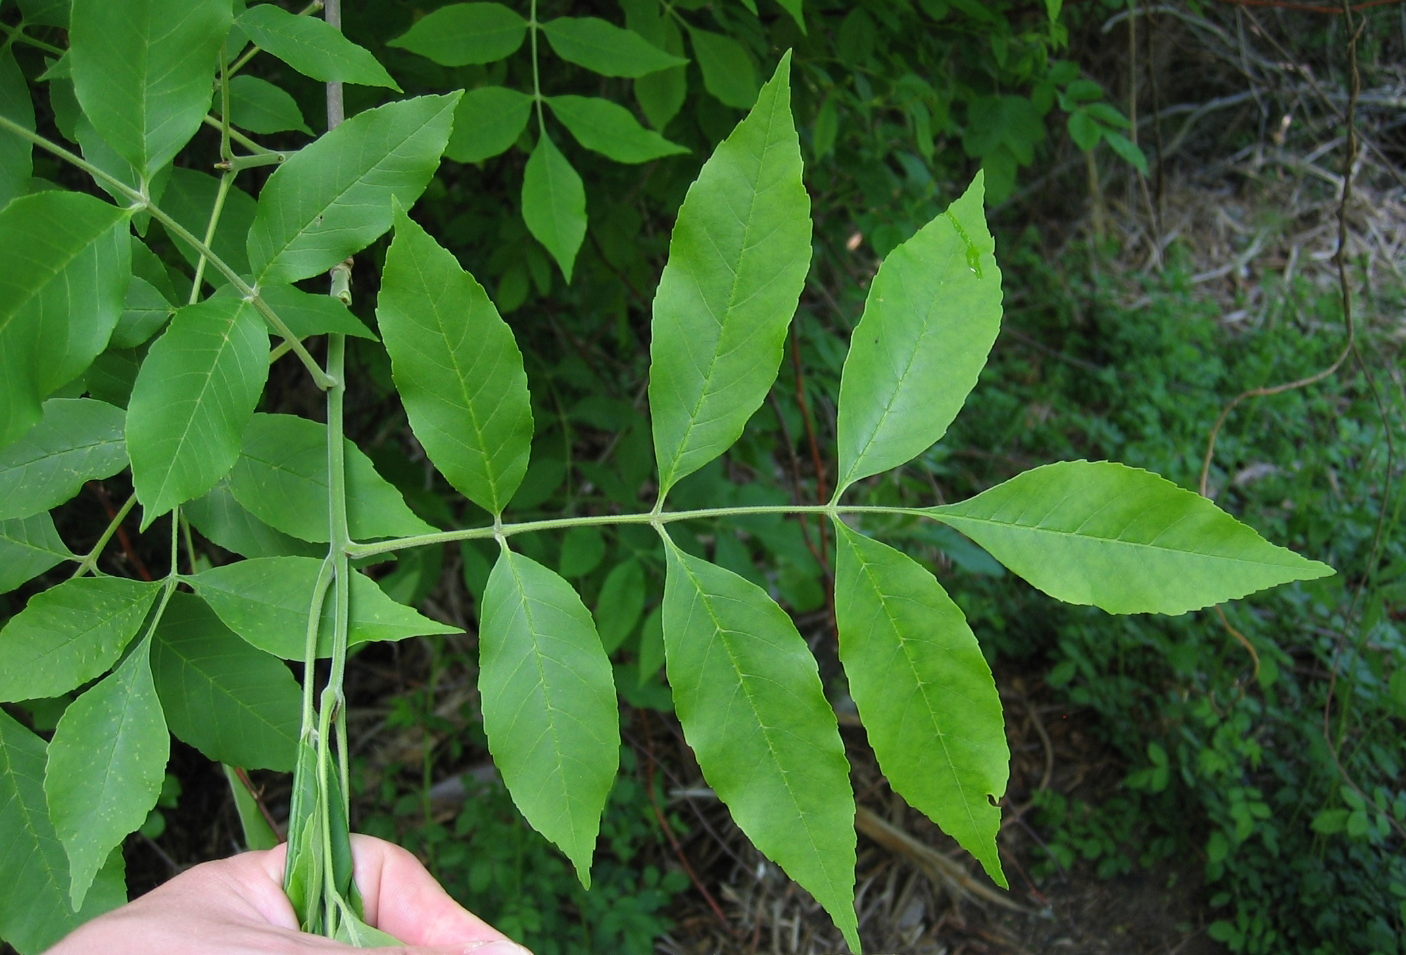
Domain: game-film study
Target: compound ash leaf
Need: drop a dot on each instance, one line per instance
(737, 262)
(457, 367)
(924, 692)
(463, 33)
(748, 695)
(312, 46)
(610, 129)
(931, 317)
(549, 704)
(604, 48)
(487, 121)
(28, 547)
(554, 203)
(1122, 539)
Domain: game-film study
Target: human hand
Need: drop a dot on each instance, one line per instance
(236, 906)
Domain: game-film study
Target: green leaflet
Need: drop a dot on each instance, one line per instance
(220, 517)
(487, 121)
(1122, 539)
(620, 604)
(28, 547)
(267, 600)
(604, 48)
(260, 107)
(281, 478)
(258, 834)
(144, 310)
(307, 314)
(931, 317)
(793, 7)
(465, 33)
(304, 872)
(70, 634)
(548, 704)
(313, 47)
(76, 440)
(924, 691)
(457, 367)
(748, 695)
(193, 396)
(34, 906)
(64, 265)
(353, 931)
(727, 70)
(232, 702)
(142, 71)
(333, 198)
(16, 154)
(737, 262)
(554, 203)
(189, 199)
(660, 94)
(610, 129)
(106, 762)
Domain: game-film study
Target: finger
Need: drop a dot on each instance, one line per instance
(403, 899)
(468, 948)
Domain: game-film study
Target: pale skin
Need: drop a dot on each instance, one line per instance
(236, 906)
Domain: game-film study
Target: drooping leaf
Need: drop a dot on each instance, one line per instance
(64, 265)
(312, 46)
(193, 396)
(610, 129)
(737, 262)
(281, 478)
(34, 906)
(258, 834)
(28, 547)
(333, 198)
(266, 601)
(727, 70)
(189, 199)
(604, 48)
(223, 520)
(1122, 539)
(487, 121)
(548, 704)
(931, 317)
(620, 604)
(144, 311)
(258, 106)
(748, 695)
(457, 367)
(463, 33)
(106, 763)
(70, 634)
(142, 71)
(16, 153)
(924, 692)
(307, 314)
(76, 440)
(234, 703)
(554, 203)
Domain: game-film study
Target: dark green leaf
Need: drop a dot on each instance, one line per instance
(727, 70)
(220, 517)
(333, 198)
(281, 478)
(232, 702)
(748, 695)
(267, 601)
(1122, 539)
(457, 367)
(307, 314)
(932, 313)
(604, 48)
(193, 396)
(464, 33)
(64, 265)
(260, 107)
(142, 71)
(28, 547)
(582, 549)
(620, 604)
(312, 46)
(190, 198)
(144, 311)
(924, 691)
(70, 634)
(76, 440)
(737, 262)
(106, 763)
(34, 905)
(487, 121)
(610, 129)
(16, 153)
(660, 94)
(548, 704)
(554, 203)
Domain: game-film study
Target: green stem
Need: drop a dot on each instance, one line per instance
(536, 77)
(340, 530)
(240, 163)
(93, 555)
(656, 518)
(319, 597)
(17, 35)
(239, 137)
(221, 193)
